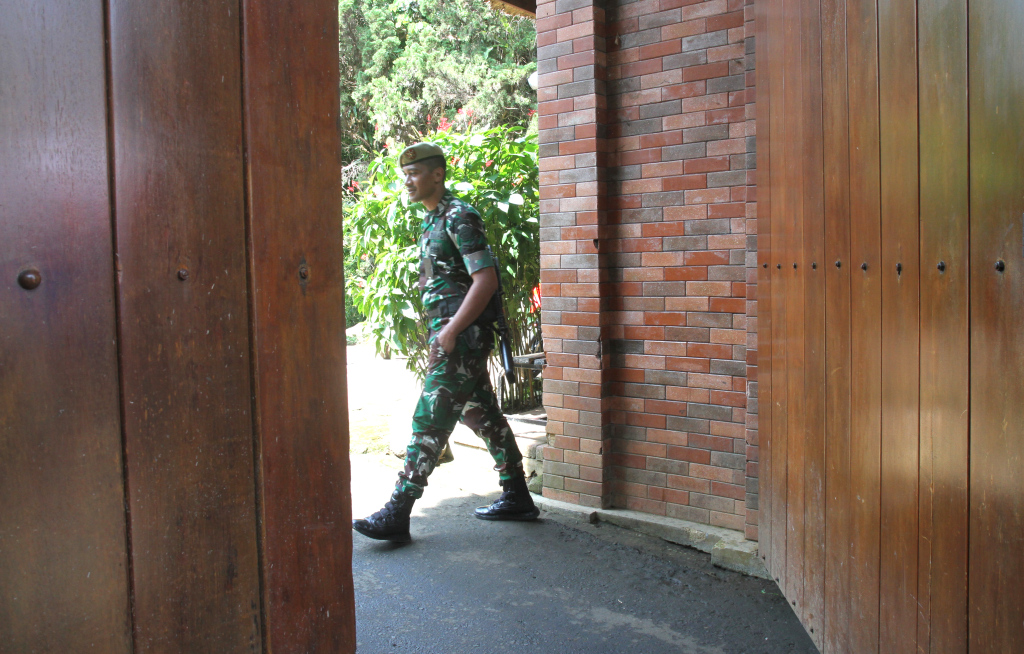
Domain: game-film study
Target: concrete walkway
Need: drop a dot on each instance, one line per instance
(555, 586)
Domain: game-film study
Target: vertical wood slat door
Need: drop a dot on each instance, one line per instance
(184, 353)
(922, 180)
(63, 557)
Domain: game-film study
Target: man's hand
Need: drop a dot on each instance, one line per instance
(446, 339)
(485, 283)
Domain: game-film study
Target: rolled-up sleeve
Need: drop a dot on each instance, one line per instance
(468, 232)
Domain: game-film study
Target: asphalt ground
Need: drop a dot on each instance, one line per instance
(553, 586)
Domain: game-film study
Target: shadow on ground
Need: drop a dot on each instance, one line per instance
(555, 586)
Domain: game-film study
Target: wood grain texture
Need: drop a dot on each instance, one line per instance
(63, 558)
(866, 323)
(945, 316)
(177, 122)
(291, 80)
(996, 562)
(900, 274)
(811, 272)
(838, 366)
(764, 278)
(793, 214)
(780, 244)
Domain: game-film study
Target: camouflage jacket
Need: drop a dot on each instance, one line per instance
(453, 246)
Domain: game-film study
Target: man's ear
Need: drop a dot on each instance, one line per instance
(439, 174)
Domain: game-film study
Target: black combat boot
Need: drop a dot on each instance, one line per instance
(514, 504)
(390, 523)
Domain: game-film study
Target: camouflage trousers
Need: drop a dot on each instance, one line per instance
(457, 387)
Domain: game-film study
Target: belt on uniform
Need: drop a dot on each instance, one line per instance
(446, 308)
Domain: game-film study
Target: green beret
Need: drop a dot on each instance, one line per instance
(419, 152)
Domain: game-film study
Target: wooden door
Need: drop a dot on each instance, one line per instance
(173, 420)
(919, 157)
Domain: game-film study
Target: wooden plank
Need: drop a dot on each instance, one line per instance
(865, 328)
(837, 318)
(63, 551)
(900, 273)
(837, 267)
(176, 102)
(996, 560)
(812, 274)
(764, 277)
(780, 243)
(795, 117)
(945, 361)
(293, 144)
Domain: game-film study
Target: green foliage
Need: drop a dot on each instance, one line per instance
(408, 66)
(355, 269)
(495, 170)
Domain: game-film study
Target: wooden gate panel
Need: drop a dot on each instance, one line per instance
(63, 560)
(836, 269)
(997, 313)
(176, 105)
(945, 364)
(291, 80)
(866, 322)
(900, 280)
(810, 272)
(779, 289)
(795, 116)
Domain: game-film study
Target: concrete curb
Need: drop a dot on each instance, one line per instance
(727, 547)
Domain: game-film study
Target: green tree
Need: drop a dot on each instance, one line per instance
(408, 66)
(495, 170)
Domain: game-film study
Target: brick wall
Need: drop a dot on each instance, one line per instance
(572, 108)
(646, 222)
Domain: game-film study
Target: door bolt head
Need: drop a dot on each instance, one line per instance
(29, 279)
(183, 274)
(1000, 265)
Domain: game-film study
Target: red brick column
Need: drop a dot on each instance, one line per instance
(647, 235)
(571, 63)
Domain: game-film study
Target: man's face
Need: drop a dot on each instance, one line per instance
(422, 182)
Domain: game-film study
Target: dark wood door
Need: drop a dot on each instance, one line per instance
(173, 421)
(919, 401)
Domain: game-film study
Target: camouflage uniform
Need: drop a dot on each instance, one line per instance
(457, 386)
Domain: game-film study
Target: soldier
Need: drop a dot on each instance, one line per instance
(457, 280)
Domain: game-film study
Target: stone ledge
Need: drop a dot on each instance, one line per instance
(728, 548)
